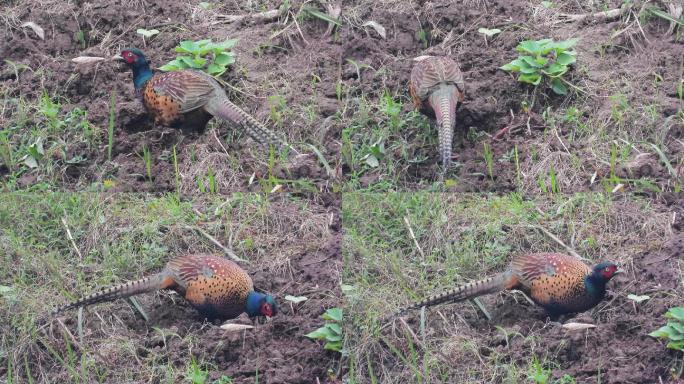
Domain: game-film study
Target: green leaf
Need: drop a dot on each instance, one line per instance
(333, 346)
(679, 327)
(319, 334)
(296, 299)
(188, 62)
(662, 332)
(169, 67)
(215, 70)
(558, 87)
(187, 46)
(678, 345)
(565, 44)
(30, 161)
(335, 328)
(555, 70)
(676, 313)
(333, 314)
(226, 45)
(225, 58)
(489, 32)
(532, 78)
(529, 46)
(199, 62)
(529, 60)
(566, 58)
(513, 66)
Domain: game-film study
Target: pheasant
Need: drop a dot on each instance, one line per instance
(188, 99)
(436, 86)
(216, 287)
(559, 283)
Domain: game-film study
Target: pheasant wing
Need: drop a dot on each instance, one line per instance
(550, 276)
(187, 88)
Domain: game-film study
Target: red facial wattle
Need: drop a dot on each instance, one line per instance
(266, 310)
(129, 57)
(608, 272)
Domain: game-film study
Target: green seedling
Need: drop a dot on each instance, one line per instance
(110, 127)
(147, 158)
(544, 60)
(489, 160)
(673, 331)
(205, 55)
(331, 332)
(146, 34)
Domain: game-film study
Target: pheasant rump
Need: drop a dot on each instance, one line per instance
(436, 87)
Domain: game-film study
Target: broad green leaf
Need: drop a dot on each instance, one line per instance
(199, 61)
(532, 78)
(170, 67)
(529, 46)
(662, 332)
(333, 346)
(333, 314)
(335, 328)
(187, 46)
(320, 333)
(676, 313)
(224, 59)
(228, 44)
(558, 87)
(678, 345)
(565, 44)
(566, 58)
(532, 62)
(215, 70)
(679, 327)
(555, 70)
(513, 66)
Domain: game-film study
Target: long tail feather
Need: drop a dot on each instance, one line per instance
(226, 110)
(444, 104)
(122, 291)
(464, 292)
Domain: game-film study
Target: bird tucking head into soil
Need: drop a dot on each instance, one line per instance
(558, 283)
(218, 288)
(436, 87)
(188, 99)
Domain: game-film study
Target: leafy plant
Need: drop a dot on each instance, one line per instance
(489, 160)
(673, 331)
(331, 332)
(205, 55)
(544, 60)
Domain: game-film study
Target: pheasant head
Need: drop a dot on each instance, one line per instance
(260, 304)
(136, 61)
(598, 278)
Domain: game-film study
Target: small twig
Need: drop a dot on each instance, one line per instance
(607, 15)
(559, 241)
(219, 141)
(211, 238)
(300, 30)
(71, 238)
(264, 16)
(413, 236)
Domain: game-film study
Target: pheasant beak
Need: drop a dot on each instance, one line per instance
(117, 58)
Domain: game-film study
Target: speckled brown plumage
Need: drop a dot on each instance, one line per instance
(188, 99)
(216, 287)
(559, 283)
(436, 86)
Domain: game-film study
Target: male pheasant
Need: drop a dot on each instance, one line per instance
(188, 99)
(216, 287)
(558, 283)
(436, 86)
